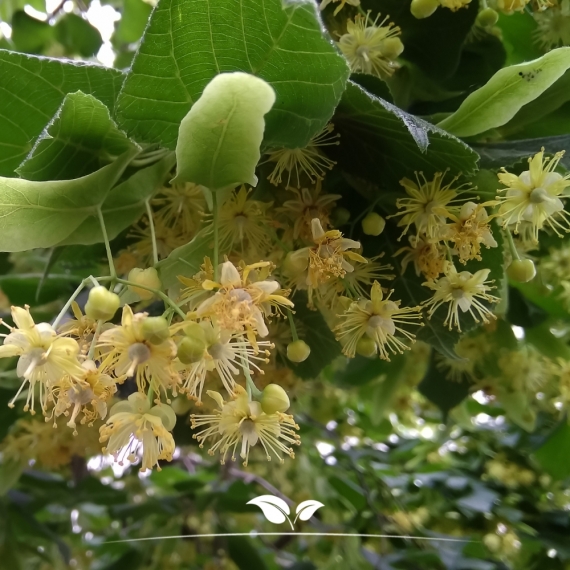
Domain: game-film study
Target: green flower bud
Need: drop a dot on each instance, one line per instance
(366, 347)
(191, 349)
(298, 351)
(373, 224)
(423, 8)
(340, 216)
(295, 262)
(487, 18)
(155, 329)
(148, 278)
(392, 48)
(102, 304)
(274, 399)
(492, 542)
(521, 270)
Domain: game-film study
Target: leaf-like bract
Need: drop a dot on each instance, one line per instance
(219, 139)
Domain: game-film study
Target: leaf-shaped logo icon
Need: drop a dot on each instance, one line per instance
(274, 508)
(307, 509)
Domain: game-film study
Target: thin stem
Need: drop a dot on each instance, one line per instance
(250, 386)
(292, 325)
(512, 246)
(167, 300)
(68, 304)
(94, 341)
(107, 244)
(216, 235)
(152, 232)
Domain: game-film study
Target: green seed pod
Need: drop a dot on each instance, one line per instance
(487, 18)
(521, 270)
(298, 351)
(366, 347)
(102, 304)
(191, 349)
(155, 329)
(147, 277)
(373, 224)
(274, 399)
(423, 8)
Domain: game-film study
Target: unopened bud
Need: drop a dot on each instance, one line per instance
(148, 278)
(274, 399)
(492, 542)
(102, 304)
(191, 350)
(295, 262)
(366, 347)
(340, 216)
(487, 18)
(521, 270)
(373, 224)
(298, 351)
(155, 329)
(392, 48)
(423, 8)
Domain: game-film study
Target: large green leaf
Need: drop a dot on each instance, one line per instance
(31, 91)
(380, 142)
(42, 214)
(80, 139)
(124, 204)
(188, 42)
(29, 34)
(499, 100)
(219, 140)
(553, 454)
(78, 36)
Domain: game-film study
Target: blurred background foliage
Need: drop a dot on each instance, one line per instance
(391, 448)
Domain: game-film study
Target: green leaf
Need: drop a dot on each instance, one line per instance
(516, 31)
(78, 36)
(21, 288)
(188, 42)
(33, 88)
(499, 100)
(185, 260)
(349, 491)
(30, 35)
(497, 155)
(42, 214)
(8, 7)
(80, 139)
(379, 141)
(219, 138)
(553, 454)
(316, 333)
(444, 393)
(10, 472)
(124, 205)
(433, 44)
(134, 18)
(244, 554)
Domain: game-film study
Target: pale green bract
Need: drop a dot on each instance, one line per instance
(219, 138)
(499, 100)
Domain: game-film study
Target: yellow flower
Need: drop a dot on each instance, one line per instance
(328, 259)
(456, 370)
(167, 240)
(44, 357)
(244, 221)
(455, 5)
(371, 48)
(309, 160)
(224, 352)
(308, 204)
(427, 205)
(180, 206)
(556, 267)
(243, 423)
(461, 291)
(88, 395)
(470, 229)
(127, 353)
(510, 6)
(428, 256)
(553, 26)
(535, 196)
(525, 370)
(81, 327)
(133, 422)
(241, 303)
(377, 318)
(325, 3)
